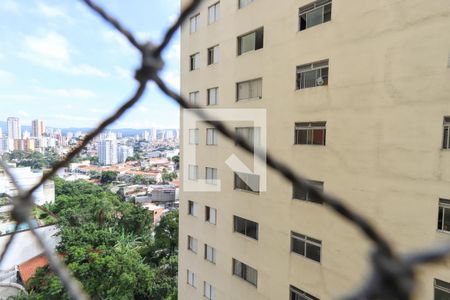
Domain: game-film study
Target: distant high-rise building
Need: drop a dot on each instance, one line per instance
(107, 151)
(146, 135)
(14, 130)
(26, 135)
(1, 133)
(37, 128)
(123, 153)
(153, 134)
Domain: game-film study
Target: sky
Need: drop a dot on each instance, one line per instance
(61, 63)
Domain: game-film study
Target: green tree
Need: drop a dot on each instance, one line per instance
(108, 176)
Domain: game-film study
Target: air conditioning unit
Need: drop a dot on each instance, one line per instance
(319, 81)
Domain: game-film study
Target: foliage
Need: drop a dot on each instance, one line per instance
(35, 160)
(141, 179)
(168, 176)
(108, 176)
(108, 245)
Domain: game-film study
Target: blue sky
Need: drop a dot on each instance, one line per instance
(61, 63)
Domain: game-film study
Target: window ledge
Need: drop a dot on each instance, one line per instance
(307, 201)
(249, 99)
(312, 87)
(443, 231)
(247, 191)
(246, 237)
(242, 279)
(250, 52)
(313, 145)
(307, 258)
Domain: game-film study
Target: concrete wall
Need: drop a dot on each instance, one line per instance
(384, 106)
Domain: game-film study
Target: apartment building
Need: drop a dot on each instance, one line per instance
(357, 96)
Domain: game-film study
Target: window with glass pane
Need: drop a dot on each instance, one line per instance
(300, 193)
(312, 75)
(213, 13)
(209, 291)
(194, 136)
(245, 272)
(194, 23)
(444, 215)
(213, 96)
(211, 175)
(246, 182)
(210, 215)
(310, 133)
(306, 246)
(211, 136)
(192, 172)
(297, 294)
(213, 55)
(244, 3)
(194, 97)
(251, 134)
(314, 14)
(246, 227)
(251, 41)
(210, 254)
(192, 244)
(194, 63)
(446, 136)
(191, 278)
(441, 290)
(192, 208)
(250, 89)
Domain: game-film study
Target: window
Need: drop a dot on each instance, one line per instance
(193, 172)
(446, 138)
(210, 254)
(192, 208)
(444, 215)
(246, 227)
(194, 136)
(213, 96)
(194, 22)
(301, 194)
(244, 3)
(312, 75)
(211, 175)
(213, 55)
(193, 97)
(250, 89)
(209, 291)
(211, 136)
(311, 133)
(245, 272)
(441, 290)
(297, 294)
(213, 13)
(251, 134)
(194, 62)
(246, 182)
(306, 246)
(211, 215)
(251, 41)
(314, 14)
(191, 278)
(192, 244)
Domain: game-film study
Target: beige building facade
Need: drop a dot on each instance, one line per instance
(357, 96)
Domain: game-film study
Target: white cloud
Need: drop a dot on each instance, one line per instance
(66, 117)
(9, 5)
(67, 93)
(172, 78)
(122, 72)
(7, 77)
(49, 11)
(173, 52)
(23, 113)
(52, 50)
(113, 37)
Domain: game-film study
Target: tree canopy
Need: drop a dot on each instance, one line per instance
(110, 246)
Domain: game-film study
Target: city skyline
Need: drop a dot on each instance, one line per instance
(60, 63)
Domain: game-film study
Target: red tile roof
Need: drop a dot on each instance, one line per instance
(28, 268)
